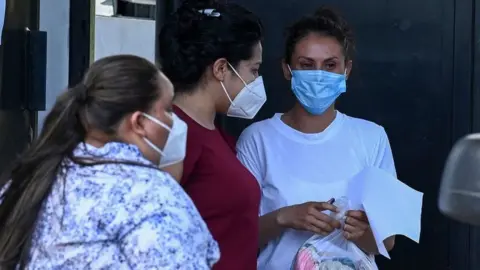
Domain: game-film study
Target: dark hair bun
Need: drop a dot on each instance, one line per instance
(330, 17)
(201, 32)
(189, 15)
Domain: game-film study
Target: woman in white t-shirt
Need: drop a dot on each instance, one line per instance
(305, 157)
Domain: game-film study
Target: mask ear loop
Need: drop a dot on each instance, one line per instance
(244, 83)
(225, 89)
(345, 73)
(289, 69)
(160, 123)
(154, 146)
(238, 75)
(228, 96)
(226, 93)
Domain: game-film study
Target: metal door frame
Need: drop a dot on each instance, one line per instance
(462, 94)
(19, 125)
(474, 236)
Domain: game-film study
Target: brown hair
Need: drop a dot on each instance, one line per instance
(190, 41)
(324, 21)
(112, 88)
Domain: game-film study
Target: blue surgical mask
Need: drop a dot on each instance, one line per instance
(317, 90)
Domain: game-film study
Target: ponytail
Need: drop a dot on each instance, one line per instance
(30, 182)
(112, 88)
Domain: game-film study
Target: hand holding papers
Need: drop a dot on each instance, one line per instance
(392, 207)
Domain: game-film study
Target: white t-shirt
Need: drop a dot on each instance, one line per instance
(293, 168)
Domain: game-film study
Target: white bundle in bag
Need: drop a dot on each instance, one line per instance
(392, 208)
(333, 252)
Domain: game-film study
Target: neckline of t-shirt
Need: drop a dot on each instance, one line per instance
(184, 115)
(299, 136)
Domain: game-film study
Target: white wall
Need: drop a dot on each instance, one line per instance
(112, 36)
(105, 7)
(119, 35)
(54, 19)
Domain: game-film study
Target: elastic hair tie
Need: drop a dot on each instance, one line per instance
(81, 93)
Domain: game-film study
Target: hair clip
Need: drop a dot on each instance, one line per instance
(210, 12)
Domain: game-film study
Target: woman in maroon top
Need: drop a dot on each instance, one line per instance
(212, 52)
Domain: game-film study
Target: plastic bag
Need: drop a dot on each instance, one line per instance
(333, 252)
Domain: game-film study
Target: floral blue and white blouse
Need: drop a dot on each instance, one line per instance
(118, 216)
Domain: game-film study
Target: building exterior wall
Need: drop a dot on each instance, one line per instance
(54, 19)
(120, 35)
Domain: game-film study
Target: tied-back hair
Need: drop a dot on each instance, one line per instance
(324, 21)
(199, 33)
(112, 88)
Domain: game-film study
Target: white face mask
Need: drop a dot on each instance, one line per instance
(249, 100)
(174, 150)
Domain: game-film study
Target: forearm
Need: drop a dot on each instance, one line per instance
(269, 228)
(367, 243)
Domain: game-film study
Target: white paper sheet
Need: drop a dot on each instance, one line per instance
(392, 207)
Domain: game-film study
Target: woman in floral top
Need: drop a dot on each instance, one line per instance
(89, 192)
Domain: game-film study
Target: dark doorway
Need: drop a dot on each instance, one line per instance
(17, 123)
(413, 75)
(80, 37)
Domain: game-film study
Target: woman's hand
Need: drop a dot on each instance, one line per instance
(357, 229)
(356, 225)
(309, 217)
